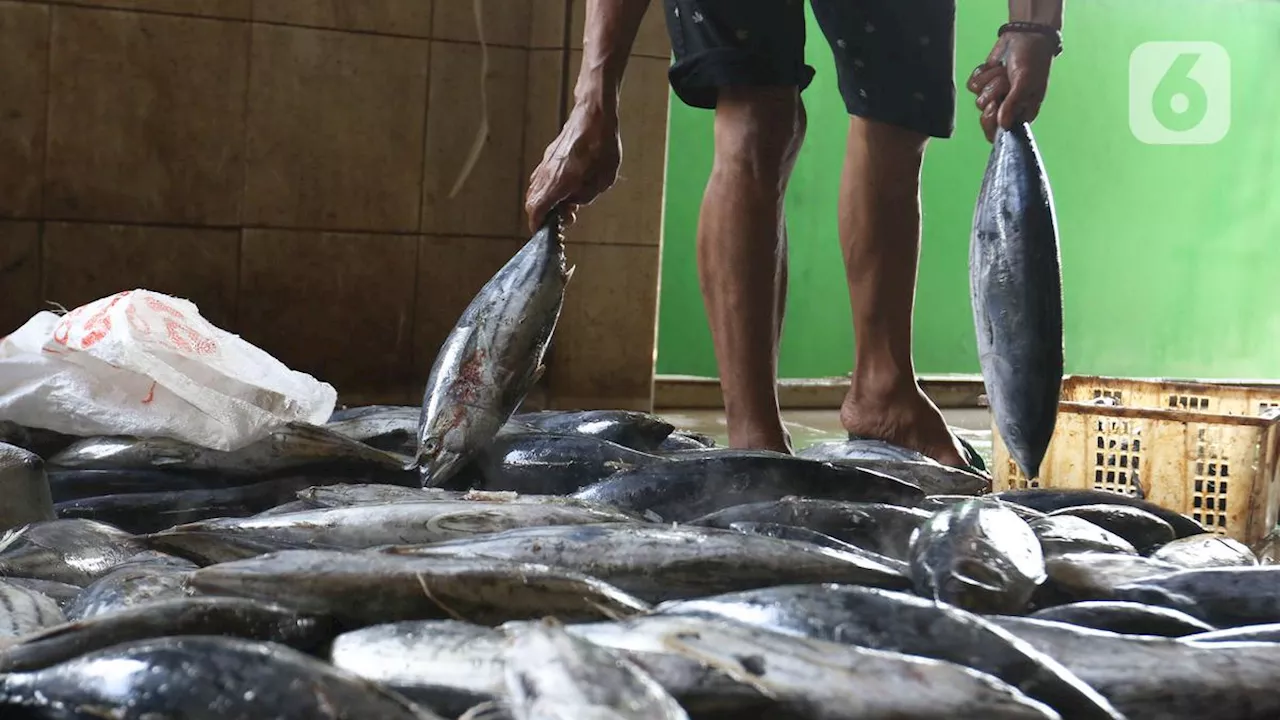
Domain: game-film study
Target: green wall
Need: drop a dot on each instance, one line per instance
(1170, 253)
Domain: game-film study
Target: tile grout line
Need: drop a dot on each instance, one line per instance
(48, 108)
(244, 172)
(254, 21)
(422, 213)
(41, 279)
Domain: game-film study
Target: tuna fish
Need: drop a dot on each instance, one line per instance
(1205, 551)
(549, 463)
(1225, 597)
(492, 357)
(235, 617)
(553, 674)
(1048, 500)
(446, 665)
(704, 691)
(129, 585)
(817, 539)
(1062, 534)
(200, 678)
(894, 621)
(655, 562)
(819, 679)
(364, 526)
(979, 556)
(635, 430)
(1126, 618)
(147, 512)
(1015, 282)
(76, 552)
(293, 446)
(706, 481)
(878, 527)
(23, 611)
(1143, 530)
(1096, 576)
(25, 487)
(1154, 678)
(362, 589)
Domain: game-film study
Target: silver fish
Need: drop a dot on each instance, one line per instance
(977, 555)
(812, 537)
(702, 690)
(365, 526)
(369, 588)
(1095, 576)
(492, 357)
(878, 527)
(1206, 551)
(293, 446)
(24, 611)
(350, 495)
(62, 593)
(237, 617)
(201, 678)
(129, 585)
(1062, 534)
(552, 674)
(819, 679)
(76, 552)
(855, 450)
(903, 623)
(655, 562)
(25, 487)
(391, 427)
(1150, 678)
(446, 665)
(1126, 618)
(1015, 281)
(1221, 596)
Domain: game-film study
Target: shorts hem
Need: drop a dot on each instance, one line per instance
(697, 79)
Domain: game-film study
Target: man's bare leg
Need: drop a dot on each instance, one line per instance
(742, 260)
(880, 237)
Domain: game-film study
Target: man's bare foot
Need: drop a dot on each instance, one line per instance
(908, 419)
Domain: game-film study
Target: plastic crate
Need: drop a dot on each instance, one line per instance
(1204, 450)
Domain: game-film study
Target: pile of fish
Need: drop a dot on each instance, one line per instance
(602, 564)
(466, 560)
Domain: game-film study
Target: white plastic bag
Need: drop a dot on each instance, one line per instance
(147, 364)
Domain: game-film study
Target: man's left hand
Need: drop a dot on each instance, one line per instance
(1011, 84)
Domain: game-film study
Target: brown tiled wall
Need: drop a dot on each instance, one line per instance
(286, 165)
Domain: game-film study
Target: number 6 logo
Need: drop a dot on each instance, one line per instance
(1180, 93)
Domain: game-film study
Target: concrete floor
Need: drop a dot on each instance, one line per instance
(813, 426)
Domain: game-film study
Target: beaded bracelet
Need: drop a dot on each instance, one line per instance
(1037, 28)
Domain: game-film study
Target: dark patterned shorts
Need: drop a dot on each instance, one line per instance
(895, 59)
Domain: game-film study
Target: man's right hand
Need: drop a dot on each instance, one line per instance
(577, 166)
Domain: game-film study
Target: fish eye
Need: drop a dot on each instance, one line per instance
(431, 445)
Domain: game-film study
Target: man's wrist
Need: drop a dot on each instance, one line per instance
(1039, 12)
(1049, 36)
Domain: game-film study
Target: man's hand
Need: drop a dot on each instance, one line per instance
(578, 165)
(1011, 84)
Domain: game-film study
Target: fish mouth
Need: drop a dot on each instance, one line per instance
(437, 469)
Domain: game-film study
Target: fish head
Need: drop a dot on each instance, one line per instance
(441, 454)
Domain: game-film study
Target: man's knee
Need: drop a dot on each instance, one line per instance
(759, 130)
(887, 139)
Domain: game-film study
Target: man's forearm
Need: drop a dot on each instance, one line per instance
(609, 32)
(1043, 12)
